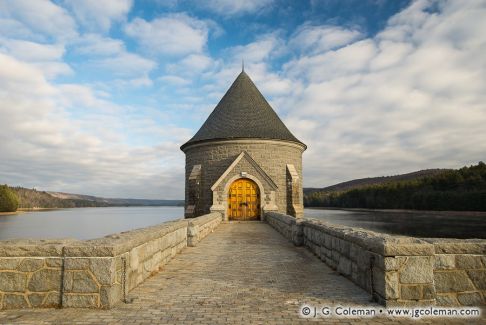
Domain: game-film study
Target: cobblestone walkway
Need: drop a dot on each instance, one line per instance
(243, 273)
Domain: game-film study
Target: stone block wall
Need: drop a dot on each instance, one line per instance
(199, 228)
(88, 281)
(395, 270)
(98, 273)
(94, 273)
(31, 273)
(290, 227)
(30, 282)
(460, 272)
(405, 280)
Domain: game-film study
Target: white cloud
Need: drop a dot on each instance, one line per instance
(108, 55)
(175, 34)
(197, 62)
(310, 39)
(258, 57)
(96, 152)
(218, 74)
(97, 45)
(47, 57)
(144, 81)
(411, 97)
(13, 28)
(390, 54)
(191, 66)
(42, 17)
(232, 7)
(125, 65)
(31, 51)
(332, 64)
(264, 48)
(95, 14)
(174, 80)
(76, 95)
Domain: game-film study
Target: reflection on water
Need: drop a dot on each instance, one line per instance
(83, 223)
(416, 224)
(87, 223)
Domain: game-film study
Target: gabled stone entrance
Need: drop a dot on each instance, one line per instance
(244, 166)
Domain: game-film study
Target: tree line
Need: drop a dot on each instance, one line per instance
(461, 190)
(9, 201)
(12, 198)
(32, 198)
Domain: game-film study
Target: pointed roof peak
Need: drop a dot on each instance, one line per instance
(243, 113)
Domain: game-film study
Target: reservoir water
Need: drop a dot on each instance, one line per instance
(83, 223)
(413, 223)
(88, 223)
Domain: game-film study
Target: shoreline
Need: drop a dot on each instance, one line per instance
(11, 213)
(37, 209)
(24, 210)
(448, 212)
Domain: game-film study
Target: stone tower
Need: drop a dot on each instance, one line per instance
(243, 161)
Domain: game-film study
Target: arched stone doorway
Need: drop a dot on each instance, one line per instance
(243, 200)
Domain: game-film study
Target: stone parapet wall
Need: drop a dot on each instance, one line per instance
(98, 273)
(460, 271)
(290, 227)
(31, 273)
(94, 273)
(198, 228)
(395, 270)
(30, 282)
(281, 222)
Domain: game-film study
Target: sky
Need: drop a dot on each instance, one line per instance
(96, 97)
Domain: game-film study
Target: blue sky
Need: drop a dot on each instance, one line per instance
(97, 96)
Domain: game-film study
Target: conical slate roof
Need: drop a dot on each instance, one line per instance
(243, 112)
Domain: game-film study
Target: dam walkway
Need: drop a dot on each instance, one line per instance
(241, 273)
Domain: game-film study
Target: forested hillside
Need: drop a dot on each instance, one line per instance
(361, 182)
(463, 190)
(32, 198)
(9, 201)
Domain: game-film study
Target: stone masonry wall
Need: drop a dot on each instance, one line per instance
(30, 280)
(460, 271)
(198, 228)
(215, 157)
(396, 270)
(290, 227)
(93, 273)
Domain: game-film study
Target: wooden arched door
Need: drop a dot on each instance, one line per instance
(243, 200)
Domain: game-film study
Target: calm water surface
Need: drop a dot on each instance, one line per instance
(88, 223)
(84, 223)
(416, 224)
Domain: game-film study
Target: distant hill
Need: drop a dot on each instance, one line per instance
(362, 182)
(117, 201)
(461, 189)
(32, 198)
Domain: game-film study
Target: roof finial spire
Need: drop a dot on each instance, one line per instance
(242, 65)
